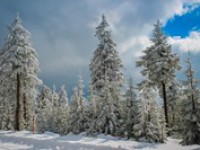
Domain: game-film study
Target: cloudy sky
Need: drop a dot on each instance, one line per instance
(63, 32)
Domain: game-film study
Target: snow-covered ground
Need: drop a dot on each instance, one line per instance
(24, 140)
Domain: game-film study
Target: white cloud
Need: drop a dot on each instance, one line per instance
(132, 24)
(180, 7)
(189, 43)
(132, 21)
(135, 44)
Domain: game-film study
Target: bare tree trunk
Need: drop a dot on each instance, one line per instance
(18, 104)
(165, 103)
(33, 125)
(24, 108)
(149, 117)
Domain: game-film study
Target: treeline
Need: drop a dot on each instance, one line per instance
(158, 107)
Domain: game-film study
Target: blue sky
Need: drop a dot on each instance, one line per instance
(184, 24)
(63, 32)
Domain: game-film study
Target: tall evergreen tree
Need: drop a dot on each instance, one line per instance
(105, 59)
(19, 68)
(191, 108)
(160, 63)
(106, 80)
(106, 120)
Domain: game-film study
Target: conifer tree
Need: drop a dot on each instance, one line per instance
(150, 121)
(175, 99)
(160, 64)
(19, 66)
(105, 59)
(109, 111)
(44, 110)
(7, 115)
(131, 117)
(191, 134)
(106, 80)
(63, 114)
(78, 109)
(92, 114)
(55, 110)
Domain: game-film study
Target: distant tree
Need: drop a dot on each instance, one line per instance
(78, 109)
(63, 114)
(175, 100)
(131, 110)
(19, 68)
(160, 63)
(92, 114)
(44, 110)
(55, 110)
(191, 134)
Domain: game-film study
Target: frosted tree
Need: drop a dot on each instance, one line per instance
(63, 114)
(19, 66)
(108, 110)
(106, 79)
(191, 134)
(131, 110)
(44, 110)
(160, 63)
(92, 114)
(3, 104)
(106, 58)
(77, 109)
(55, 110)
(175, 100)
(7, 113)
(150, 121)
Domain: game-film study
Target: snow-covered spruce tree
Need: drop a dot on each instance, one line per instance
(191, 134)
(92, 114)
(131, 110)
(106, 58)
(78, 117)
(106, 76)
(109, 116)
(63, 114)
(44, 110)
(7, 114)
(55, 110)
(2, 101)
(150, 121)
(160, 63)
(175, 100)
(19, 67)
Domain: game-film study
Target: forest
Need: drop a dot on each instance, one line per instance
(161, 105)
